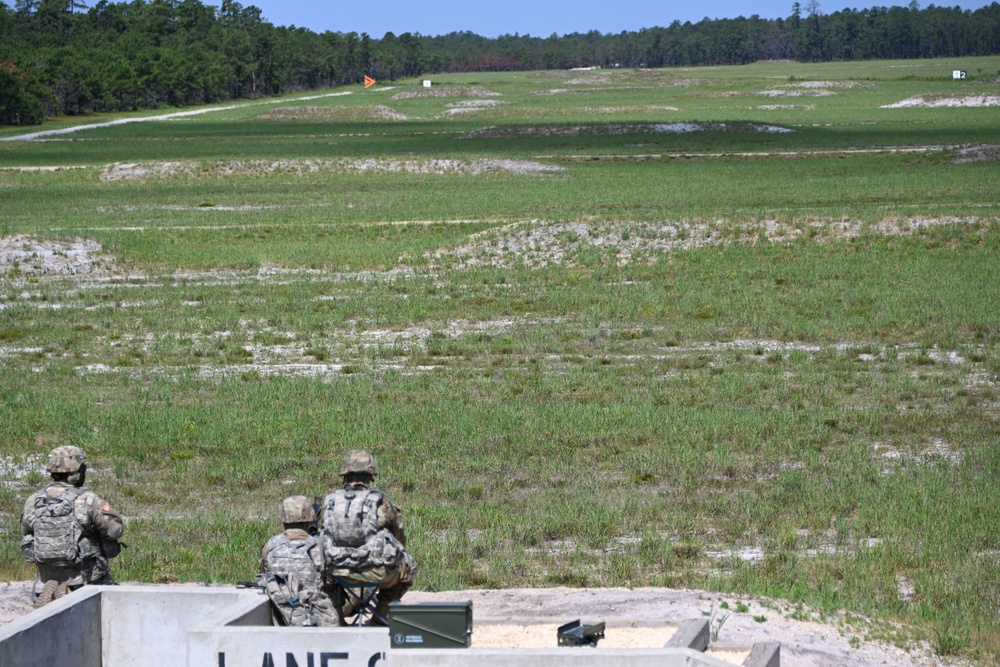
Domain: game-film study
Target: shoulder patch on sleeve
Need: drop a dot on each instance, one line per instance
(106, 506)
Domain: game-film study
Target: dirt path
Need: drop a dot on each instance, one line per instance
(168, 116)
(804, 643)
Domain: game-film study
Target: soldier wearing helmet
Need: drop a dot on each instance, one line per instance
(291, 566)
(363, 538)
(68, 531)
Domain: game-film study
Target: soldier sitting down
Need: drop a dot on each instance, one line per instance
(291, 565)
(363, 539)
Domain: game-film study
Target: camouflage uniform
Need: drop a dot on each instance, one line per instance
(292, 564)
(363, 537)
(100, 527)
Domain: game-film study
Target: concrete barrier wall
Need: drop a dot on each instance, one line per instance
(145, 626)
(227, 646)
(64, 632)
(154, 626)
(251, 612)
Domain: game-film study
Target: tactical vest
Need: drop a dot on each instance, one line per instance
(56, 529)
(352, 538)
(292, 578)
(288, 558)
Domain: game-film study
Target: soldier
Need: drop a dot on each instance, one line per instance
(68, 531)
(292, 567)
(363, 538)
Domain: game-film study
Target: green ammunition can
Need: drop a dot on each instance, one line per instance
(430, 625)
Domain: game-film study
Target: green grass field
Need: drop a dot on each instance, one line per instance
(726, 328)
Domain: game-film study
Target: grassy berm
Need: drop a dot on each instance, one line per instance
(725, 328)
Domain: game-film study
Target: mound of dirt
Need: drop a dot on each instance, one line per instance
(467, 104)
(797, 92)
(445, 91)
(538, 243)
(333, 114)
(578, 91)
(828, 84)
(190, 169)
(982, 153)
(614, 129)
(627, 109)
(936, 101)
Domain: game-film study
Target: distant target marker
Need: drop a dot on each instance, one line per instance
(369, 82)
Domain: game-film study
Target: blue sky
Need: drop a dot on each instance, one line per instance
(539, 18)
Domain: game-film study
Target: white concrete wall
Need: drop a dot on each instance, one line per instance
(62, 633)
(215, 646)
(242, 635)
(148, 626)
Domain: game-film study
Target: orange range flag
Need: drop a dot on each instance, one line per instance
(369, 82)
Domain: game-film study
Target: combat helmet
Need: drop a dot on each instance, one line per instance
(297, 509)
(358, 461)
(66, 459)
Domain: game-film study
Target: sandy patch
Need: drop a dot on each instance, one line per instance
(124, 171)
(445, 91)
(982, 153)
(627, 109)
(930, 452)
(13, 471)
(579, 91)
(797, 92)
(59, 168)
(783, 107)
(470, 106)
(615, 129)
(540, 244)
(887, 150)
(465, 104)
(15, 600)
(828, 84)
(376, 112)
(544, 635)
(127, 171)
(937, 101)
(25, 255)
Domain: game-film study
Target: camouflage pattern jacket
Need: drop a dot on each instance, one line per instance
(292, 564)
(361, 530)
(100, 528)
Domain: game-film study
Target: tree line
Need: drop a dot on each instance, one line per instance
(806, 35)
(58, 57)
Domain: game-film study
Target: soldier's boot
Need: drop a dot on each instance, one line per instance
(106, 580)
(50, 592)
(385, 596)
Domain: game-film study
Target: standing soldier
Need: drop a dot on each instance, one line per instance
(292, 567)
(363, 538)
(68, 531)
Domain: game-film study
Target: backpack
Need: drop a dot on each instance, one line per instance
(56, 530)
(350, 517)
(352, 539)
